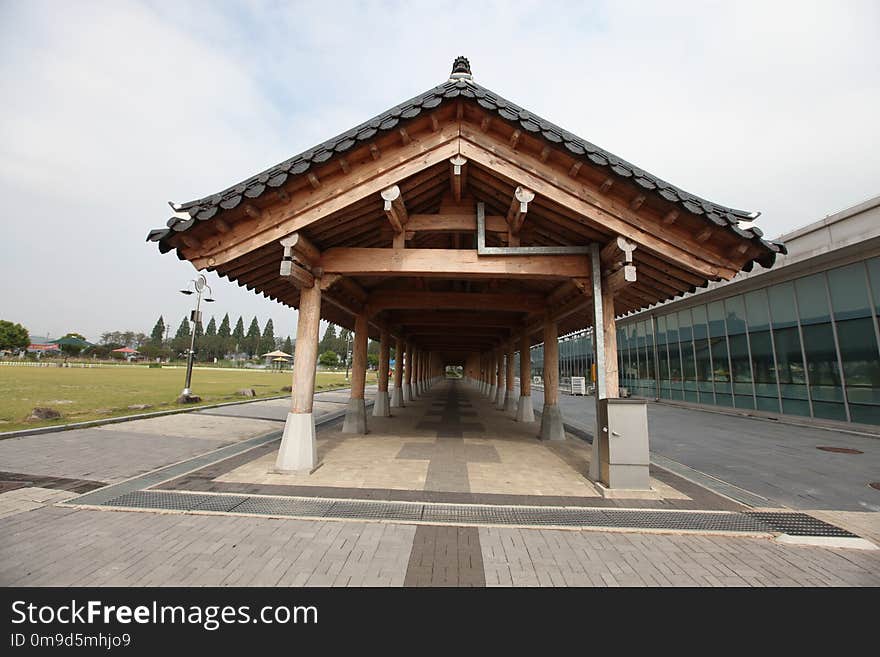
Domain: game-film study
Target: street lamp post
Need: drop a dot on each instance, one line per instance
(199, 285)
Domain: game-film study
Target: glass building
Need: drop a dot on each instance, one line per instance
(800, 339)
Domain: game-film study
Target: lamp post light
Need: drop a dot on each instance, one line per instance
(200, 284)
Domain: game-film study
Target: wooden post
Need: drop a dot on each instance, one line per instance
(297, 452)
(407, 386)
(382, 406)
(524, 409)
(491, 370)
(499, 393)
(612, 381)
(509, 396)
(356, 413)
(397, 393)
(551, 416)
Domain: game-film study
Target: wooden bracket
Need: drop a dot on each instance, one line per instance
(459, 174)
(395, 209)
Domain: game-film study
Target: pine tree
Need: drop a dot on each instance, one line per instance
(343, 343)
(223, 337)
(181, 340)
(238, 336)
(157, 337)
(210, 340)
(267, 343)
(287, 347)
(252, 339)
(328, 342)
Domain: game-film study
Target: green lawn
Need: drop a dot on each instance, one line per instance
(81, 394)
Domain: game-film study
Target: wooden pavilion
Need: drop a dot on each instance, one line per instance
(464, 228)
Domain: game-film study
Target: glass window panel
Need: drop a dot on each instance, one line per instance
(864, 414)
(716, 319)
(790, 363)
(849, 293)
(782, 310)
(735, 309)
(744, 401)
(822, 366)
(812, 299)
(661, 330)
(671, 327)
(861, 360)
(757, 313)
(829, 410)
(685, 326)
(704, 370)
(741, 371)
(700, 328)
(874, 275)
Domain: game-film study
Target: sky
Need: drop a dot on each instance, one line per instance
(111, 109)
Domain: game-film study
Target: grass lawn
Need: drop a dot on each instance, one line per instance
(81, 394)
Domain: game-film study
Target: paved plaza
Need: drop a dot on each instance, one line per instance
(223, 517)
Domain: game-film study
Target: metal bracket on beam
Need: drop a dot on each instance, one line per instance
(482, 249)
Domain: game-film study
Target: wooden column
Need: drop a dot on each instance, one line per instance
(509, 394)
(525, 367)
(397, 393)
(382, 407)
(356, 414)
(524, 410)
(612, 380)
(297, 452)
(499, 378)
(552, 427)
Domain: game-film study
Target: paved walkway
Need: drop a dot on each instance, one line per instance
(775, 460)
(438, 453)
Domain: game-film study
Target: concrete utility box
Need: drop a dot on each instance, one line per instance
(623, 443)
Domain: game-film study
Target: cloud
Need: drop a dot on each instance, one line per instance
(111, 109)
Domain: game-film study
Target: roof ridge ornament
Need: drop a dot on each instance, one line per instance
(461, 69)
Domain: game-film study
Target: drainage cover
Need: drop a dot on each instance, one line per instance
(840, 450)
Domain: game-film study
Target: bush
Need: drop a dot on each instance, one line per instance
(155, 366)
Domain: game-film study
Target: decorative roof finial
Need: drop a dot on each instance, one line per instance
(461, 69)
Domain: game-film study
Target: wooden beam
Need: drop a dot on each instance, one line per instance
(252, 211)
(621, 277)
(545, 153)
(457, 177)
(190, 240)
(451, 223)
(313, 180)
(705, 234)
(375, 153)
(616, 252)
(444, 263)
(573, 171)
(485, 123)
(395, 209)
(302, 248)
(301, 276)
(385, 299)
(670, 218)
(606, 185)
(519, 206)
(514, 139)
(435, 124)
(404, 136)
(343, 164)
(455, 318)
(309, 206)
(221, 225)
(637, 202)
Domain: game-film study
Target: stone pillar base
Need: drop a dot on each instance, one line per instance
(524, 410)
(499, 399)
(510, 403)
(551, 423)
(355, 417)
(297, 452)
(492, 392)
(382, 408)
(397, 398)
(407, 392)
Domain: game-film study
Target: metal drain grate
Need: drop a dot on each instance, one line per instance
(794, 523)
(798, 524)
(148, 499)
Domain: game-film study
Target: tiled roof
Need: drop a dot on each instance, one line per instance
(460, 86)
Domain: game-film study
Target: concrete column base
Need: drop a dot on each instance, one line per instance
(524, 410)
(297, 452)
(382, 407)
(499, 399)
(510, 403)
(355, 417)
(492, 392)
(551, 423)
(397, 398)
(407, 392)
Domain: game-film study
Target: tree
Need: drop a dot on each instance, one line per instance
(252, 339)
(267, 342)
(181, 340)
(287, 347)
(157, 335)
(328, 358)
(72, 349)
(328, 342)
(13, 336)
(209, 342)
(238, 336)
(223, 337)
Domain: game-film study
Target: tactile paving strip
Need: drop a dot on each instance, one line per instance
(799, 524)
